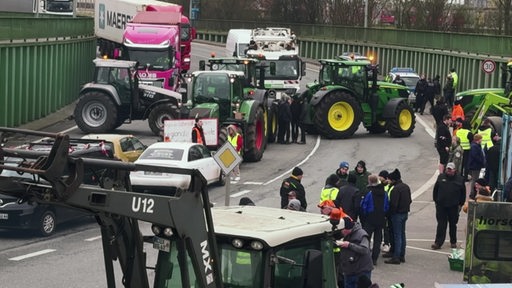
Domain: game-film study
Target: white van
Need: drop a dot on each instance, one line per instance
(237, 42)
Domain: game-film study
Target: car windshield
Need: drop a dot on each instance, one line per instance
(410, 81)
(163, 154)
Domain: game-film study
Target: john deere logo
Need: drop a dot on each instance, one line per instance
(102, 16)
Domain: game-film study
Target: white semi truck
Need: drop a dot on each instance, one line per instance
(280, 46)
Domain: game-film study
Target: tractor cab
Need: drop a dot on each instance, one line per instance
(353, 75)
(218, 92)
(122, 75)
(246, 65)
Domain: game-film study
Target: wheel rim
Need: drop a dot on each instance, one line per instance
(48, 224)
(405, 119)
(94, 114)
(160, 120)
(341, 116)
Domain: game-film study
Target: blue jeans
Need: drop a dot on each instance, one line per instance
(351, 280)
(398, 221)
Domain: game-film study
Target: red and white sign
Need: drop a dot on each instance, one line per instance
(488, 66)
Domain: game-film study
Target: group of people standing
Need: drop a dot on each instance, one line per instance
(373, 206)
(291, 114)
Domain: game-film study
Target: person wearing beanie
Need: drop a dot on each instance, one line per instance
(355, 255)
(342, 173)
(399, 207)
(197, 132)
(361, 174)
(349, 197)
(374, 206)
(480, 184)
(293, 183)
(330, 191)
(449, 195)
(294, 204)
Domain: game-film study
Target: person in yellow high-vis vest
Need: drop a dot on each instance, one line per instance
(330, 191)
(487, 133)
(236, 141)
(466, 137)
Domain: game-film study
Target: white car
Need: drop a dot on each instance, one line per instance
(179, 155)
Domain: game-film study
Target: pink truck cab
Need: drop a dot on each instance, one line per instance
(153, 39)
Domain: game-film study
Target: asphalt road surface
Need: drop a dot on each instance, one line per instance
(73, 257)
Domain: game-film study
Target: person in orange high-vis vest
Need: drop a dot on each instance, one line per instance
(198, 133)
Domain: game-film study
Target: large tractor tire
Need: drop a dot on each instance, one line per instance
(223, 136)
(255, 138)
(159, 114)
(272, 124)
(402, 124)
(338, 115)
(96, 113)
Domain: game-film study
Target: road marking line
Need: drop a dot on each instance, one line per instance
(92, 239)
(253, 183)
(45, 251)
(428, 250)
(298, 164)
(240, 193)
(429, 130)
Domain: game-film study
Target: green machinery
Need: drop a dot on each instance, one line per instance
(348, 93)
(220, 94)
(250, 68)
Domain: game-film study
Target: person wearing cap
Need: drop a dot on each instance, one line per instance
(237, 141)
(361, 174)
(293, 183)
(449, 196)
(342, 173)
(197, 132)
(374, 207)
(399, 207)
(349, 197)
(443, 141)
(476, 161)
(355, 255)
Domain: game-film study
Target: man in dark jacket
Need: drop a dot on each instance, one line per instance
(284, 119)
(374, 207)
(349, 198)
(399, 207)
(439, 110)
(297, 118)
(443, 141)
(355, 253)
(420, 90)
(342, 173)
(292, 183)
(361, 174)
(449, 196)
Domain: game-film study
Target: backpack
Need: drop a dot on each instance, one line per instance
(367, 203)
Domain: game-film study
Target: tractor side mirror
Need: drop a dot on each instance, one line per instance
(272, 68)
(202, 65)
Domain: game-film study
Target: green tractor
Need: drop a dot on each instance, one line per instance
(251, 69)
(470, 100)
(220, 94)
(348, 93)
